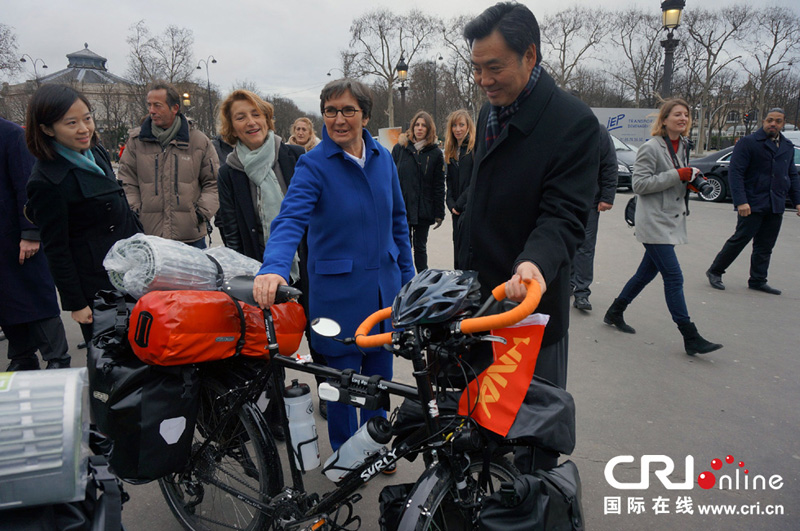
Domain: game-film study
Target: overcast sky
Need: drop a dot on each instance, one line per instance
(285, 46)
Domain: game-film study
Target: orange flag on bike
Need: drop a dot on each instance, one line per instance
(495, 396)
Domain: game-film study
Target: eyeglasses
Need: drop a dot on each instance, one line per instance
(347, 112)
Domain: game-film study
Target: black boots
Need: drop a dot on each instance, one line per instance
(614, 317)
(694, 342)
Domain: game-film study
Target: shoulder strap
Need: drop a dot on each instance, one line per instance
(675, 161)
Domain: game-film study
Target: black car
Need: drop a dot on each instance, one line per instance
(715, 168)
(626, 156)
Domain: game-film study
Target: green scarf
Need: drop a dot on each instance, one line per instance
(165, 136)
(258, 165)
(84, 161)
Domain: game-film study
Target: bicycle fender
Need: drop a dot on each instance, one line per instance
(419, 495)
(260, 424)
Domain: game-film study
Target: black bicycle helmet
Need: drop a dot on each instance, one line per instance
(435, 296)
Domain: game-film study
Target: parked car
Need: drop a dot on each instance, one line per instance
(626, 156)
(715, 168)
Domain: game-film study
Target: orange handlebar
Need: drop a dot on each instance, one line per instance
(512, 316)
(367, 341)
(468, 326)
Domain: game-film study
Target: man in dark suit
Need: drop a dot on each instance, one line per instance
(533, 181)
(761, 175)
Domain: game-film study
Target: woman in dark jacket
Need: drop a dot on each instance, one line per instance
(74, 197)
(255, 176)
(458, 152)
(420, 167)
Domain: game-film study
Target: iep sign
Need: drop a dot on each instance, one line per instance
(632, 126)
(662, 473)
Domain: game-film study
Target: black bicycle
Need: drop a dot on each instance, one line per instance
(234, 480)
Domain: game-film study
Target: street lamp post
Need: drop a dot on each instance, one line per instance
(671, 18)
(33, 62)
(435, 85)
(402, 75)
(208, 81)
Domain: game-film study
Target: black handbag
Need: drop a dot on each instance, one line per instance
(149, 412)
(630, 212)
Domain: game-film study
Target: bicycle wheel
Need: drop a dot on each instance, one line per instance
(237, 458)
(442, 511)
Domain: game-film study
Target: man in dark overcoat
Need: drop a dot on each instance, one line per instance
(533, 182)
(29, 312)
(761, 175)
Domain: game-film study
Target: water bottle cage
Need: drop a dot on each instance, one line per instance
(367, 395)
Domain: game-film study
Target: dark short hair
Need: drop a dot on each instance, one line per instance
(48, 105)
(173, 97)
(359, 90)
(776, 109)
(515, 22)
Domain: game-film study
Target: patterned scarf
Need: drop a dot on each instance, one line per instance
(500, 116)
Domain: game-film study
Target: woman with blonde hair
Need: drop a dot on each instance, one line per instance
(458, 154)
(661, 175)
(420, 167)
(303, 134)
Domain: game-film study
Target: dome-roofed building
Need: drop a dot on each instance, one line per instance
(117, 103)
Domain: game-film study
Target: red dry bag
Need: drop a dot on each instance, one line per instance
(180, 327)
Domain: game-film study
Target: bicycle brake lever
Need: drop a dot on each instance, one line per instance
(496, 339)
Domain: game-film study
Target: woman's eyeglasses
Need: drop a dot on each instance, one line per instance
(347, 112)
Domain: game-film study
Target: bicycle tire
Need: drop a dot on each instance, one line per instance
(238, 456)
(441, 511)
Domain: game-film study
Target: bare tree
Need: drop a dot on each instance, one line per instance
(637, 35)
(458, 66)
(707, 48)
(774, 46)
(9, 56)
(167, 56)
(378, 40)
(570, 36)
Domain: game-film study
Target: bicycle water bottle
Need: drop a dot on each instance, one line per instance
(302, 428)
(369, 438)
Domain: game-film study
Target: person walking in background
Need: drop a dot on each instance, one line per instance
(303, 134)
(420, 167)
(169, 171)
(345, 192)
(74, 197)
(583, 263)
(762, 174)
(660, 178)
(459, 145)
(29, 312)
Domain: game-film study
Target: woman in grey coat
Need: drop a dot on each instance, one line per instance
(660, 178)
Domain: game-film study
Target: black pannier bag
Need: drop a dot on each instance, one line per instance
(547, 500)
(148, 411)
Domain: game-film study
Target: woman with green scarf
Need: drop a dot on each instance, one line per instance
(253, 180)
(74, 197)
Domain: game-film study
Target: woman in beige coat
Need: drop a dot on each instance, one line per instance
(660, 178)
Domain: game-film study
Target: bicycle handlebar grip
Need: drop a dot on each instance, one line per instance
(366, 341)
(513, 316)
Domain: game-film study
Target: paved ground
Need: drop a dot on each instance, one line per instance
(641, 395)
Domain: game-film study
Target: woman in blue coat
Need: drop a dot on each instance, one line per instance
(346, 193)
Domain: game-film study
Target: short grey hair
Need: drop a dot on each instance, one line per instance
(359, 90)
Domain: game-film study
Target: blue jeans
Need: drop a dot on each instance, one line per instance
(660, 258)
(200, 244)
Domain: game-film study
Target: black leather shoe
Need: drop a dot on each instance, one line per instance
(23, 364)
(582, 303)
(766, 288)
(715, 280)
(60, 363)
(82, 345)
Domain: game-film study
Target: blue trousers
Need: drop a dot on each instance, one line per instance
(342, 419)
(660, 258)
